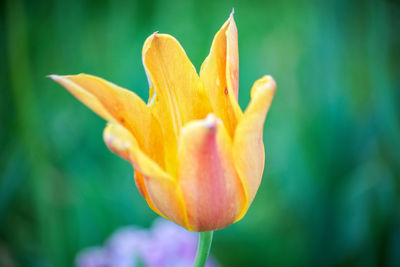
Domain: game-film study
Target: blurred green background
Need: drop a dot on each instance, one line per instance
(331, 188)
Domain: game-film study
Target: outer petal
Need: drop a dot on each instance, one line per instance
(248, 146)
(158, 187)
(220, 75)
(177, 95)
(211, 188)
(116, 104)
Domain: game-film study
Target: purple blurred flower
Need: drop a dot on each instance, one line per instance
(164, 245)
(92, 257)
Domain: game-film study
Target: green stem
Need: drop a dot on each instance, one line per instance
(205, 240)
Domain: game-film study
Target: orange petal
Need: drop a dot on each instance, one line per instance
(167, 197)
(212, 190)
(220, 75)
(232, 58)
(117, 104)
(248, 146)
(158, 187)
(176, 91)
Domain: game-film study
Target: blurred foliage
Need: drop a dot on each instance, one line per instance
(331, 188)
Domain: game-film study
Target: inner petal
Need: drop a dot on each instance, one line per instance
(177, 95)
(220, 75)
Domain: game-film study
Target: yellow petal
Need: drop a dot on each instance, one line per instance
(248, 146)
(119, 105)
(212, 190)
(82, 94)
(176, 91)
(158, 187)
(220, 75)
(167, 197)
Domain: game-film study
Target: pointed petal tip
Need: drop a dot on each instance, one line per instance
(155, 34)
(267, 82)
(211, 122)
(52, 76)
(264, 85)
(57, 77)
(118, 140)
(231, 16)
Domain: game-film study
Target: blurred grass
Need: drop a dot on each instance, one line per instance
(331, 188)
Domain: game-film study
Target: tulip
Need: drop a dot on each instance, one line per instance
(198, 158)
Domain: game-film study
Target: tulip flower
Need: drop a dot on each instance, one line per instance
(198, 158)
